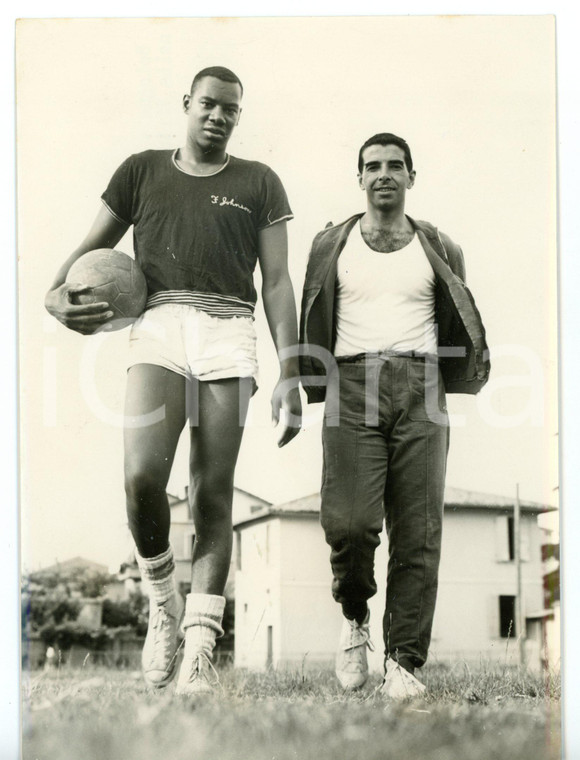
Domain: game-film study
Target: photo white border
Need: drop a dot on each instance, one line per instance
(568, 62)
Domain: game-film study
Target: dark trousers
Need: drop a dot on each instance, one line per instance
(385, 442)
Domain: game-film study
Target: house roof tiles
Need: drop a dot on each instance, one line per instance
(455, 499)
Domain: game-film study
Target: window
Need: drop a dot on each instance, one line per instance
(188, 542)
(502, 549)
(184, 588)
(505, 539)
(238, 550)
(511, 538)
(507, 617)
(270, 649)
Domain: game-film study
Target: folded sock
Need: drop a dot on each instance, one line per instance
(158, 574)
(202, 623)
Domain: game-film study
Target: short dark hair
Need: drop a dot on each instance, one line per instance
(386, 138)
(218, 72)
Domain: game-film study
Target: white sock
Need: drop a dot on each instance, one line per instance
(158, 574)
(202, 623)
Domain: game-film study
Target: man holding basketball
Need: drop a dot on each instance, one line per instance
(202, 219)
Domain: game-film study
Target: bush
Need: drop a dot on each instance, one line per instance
(131, 612)
(63, 636)
(39, 610)
(117, 614)
(91, 584)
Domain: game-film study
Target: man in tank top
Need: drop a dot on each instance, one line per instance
(383, 293)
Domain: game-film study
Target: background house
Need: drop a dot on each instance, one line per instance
(79, 579)
(280, 582)
(182, 538)
(64, 594)
(285, 614)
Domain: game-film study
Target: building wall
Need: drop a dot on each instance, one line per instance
(244, 504)
(284, 584)
(311, 619)
(258, 601)
(182, 533)
(180, 536)
(91, 613)
(475, 571)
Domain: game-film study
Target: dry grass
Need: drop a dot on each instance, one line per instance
(481, 714)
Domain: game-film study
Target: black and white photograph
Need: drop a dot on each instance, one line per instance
(289, 387)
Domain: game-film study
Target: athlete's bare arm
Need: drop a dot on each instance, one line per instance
(280, 308)
(105, 232)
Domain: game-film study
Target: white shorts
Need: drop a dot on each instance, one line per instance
(194, 344)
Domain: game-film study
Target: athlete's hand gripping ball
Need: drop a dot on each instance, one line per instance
(103, 287)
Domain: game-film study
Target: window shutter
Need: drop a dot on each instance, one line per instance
(501, 539)
(188, 540)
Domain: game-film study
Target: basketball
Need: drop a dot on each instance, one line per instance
(114, 277)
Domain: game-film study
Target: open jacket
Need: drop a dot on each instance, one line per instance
(457, 319)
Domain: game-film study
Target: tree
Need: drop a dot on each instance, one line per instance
(129, 612)
(46, 603)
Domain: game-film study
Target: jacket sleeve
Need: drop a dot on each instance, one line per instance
(460, 263)
(307, 285)
(306, 303)
(455, 256)
(313, 329)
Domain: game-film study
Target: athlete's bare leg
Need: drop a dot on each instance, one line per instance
(215, 444)
(155, 396)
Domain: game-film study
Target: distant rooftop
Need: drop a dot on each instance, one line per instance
(75, 563)
(455, 499)
(256, 500)
(460, 497)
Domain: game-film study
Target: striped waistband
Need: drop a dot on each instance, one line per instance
(214, 304)
(385, 356)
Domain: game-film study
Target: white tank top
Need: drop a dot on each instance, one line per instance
(385, 301)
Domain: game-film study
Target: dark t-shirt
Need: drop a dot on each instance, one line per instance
(197, 234)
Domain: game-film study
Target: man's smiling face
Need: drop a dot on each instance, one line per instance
(385, 177)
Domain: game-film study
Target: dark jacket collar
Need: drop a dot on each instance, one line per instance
(333, 238)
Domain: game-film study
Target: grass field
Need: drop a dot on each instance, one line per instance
(486, 713)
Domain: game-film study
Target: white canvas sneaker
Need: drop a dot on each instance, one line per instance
(159, 657)
(352, 668)
(399, 684)
(197, 676)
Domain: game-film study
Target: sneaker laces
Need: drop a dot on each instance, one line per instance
(360, 635)
(196, 670)
(163, 638)
(410, 682)
(408, 679)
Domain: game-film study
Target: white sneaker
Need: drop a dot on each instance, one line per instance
(352, 668)
(399, 684)
(197, 676)
(159, 657)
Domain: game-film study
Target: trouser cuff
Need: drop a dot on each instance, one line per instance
(355, 611)
(404, 662)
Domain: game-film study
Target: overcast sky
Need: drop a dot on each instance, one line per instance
(474, 97)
